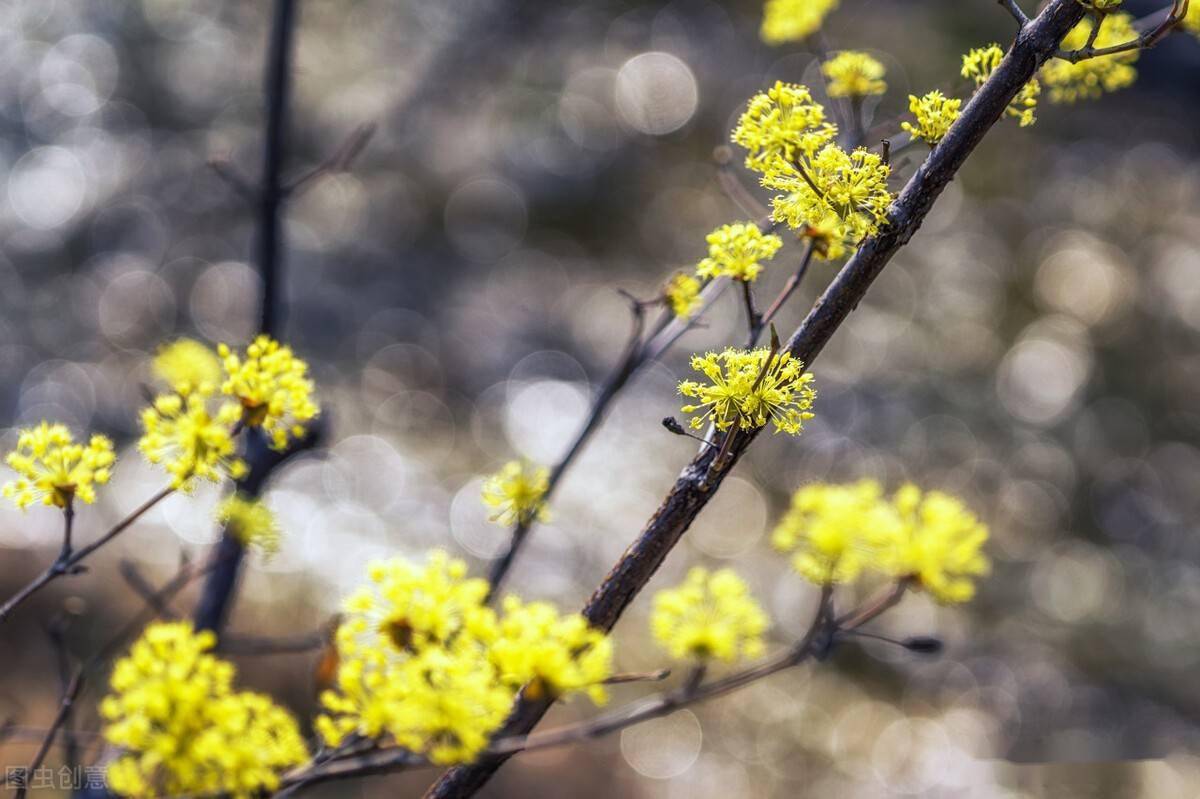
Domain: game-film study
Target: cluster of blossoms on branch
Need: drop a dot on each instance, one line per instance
(837, 533)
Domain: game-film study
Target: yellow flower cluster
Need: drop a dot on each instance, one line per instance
(186, 365)
(181, 433)
(1092, 77)
(748, 388)
(555, 655)
(682, 294)
(735, 251)
(834, 197)
(423, 661)
(935, 113)
(183, 730)
(793, 20)
(836, 532)
(783, 123)
(855, 74)
(517, 493)
(978, 65)
(709, 616)
(52, 469)
(273, 387)
(250, 521)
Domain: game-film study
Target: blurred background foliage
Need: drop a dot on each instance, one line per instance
(1036, 349)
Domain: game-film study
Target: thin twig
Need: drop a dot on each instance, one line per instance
(339, 161)
(68, 560)
(64, 711)
(1017, 13)
(1174, 16)
(641, 560)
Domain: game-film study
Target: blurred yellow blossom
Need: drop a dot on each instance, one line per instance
(1092, 77)
(555, 655)
(682, 294)
(709, 616)
(517, 493)
(735, 251)
(831, 530)
(250, 521)
(273, 387)
(180, 433)
(740, 391)
(937, 542)
(792, 20)
(183, 730)
(52, 469)
(853, 73)
(185, 365)
(1191, 21)
(979, 64)
(935, 113)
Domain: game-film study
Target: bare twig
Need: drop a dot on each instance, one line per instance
(1173, 17)
(69, 561)
(1033, 46)
(339, 161)
(227, 172)
(1017, 14)
(789, 288)
(64, 712)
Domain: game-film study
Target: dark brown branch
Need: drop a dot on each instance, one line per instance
(226, 559)
(340, 161)
(1034, 44)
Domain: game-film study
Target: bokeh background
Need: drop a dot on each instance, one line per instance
(1036, 349)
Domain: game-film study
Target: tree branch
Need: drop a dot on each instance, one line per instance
(1034, 44)
(1017, 14)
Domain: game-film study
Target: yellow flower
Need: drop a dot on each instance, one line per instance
(52, 469)
(180, 433)
(937, 542)
(978, 65)
(181, 727)
(853, 73)
(250, 521)
(273, 386)
(421, 660)
(1191, 21)
(186, 365)
(682, 294)
(740, 391)
(709, 616)
(831, 530)
(793, 20)
(734, 251)
(407, 607)
(517, 493)
(553, 654)
(782, 124)
(836, 198)
(935, 113)
(443, 703)
(1092, 77)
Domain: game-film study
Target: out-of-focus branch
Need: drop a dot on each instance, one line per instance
(339, 161)
(64, 712)
(226, 558)
(1035, 43)
(69, 560)
(1172, 17)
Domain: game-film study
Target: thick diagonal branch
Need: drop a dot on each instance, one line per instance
(1035, 43)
